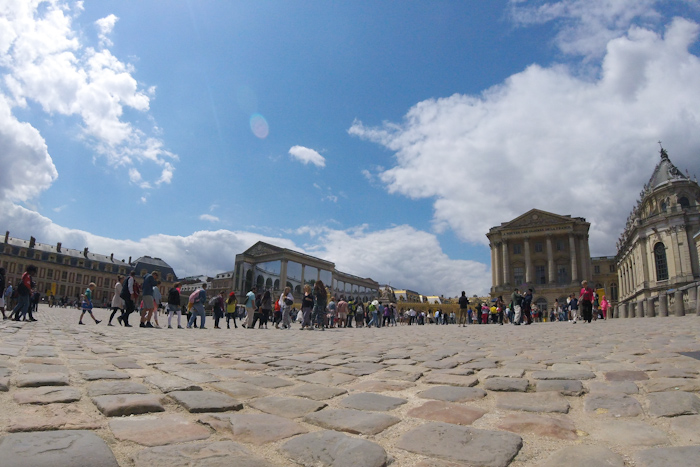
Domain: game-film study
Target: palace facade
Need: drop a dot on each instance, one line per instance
(657, 254)
(65, 272)
(548, 253)
(269, 267)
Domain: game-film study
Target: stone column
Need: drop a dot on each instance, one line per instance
(697, 302)
(645, 260)
(551, 273)
(623, 310)
(283, 275)
(614, 312)
(493, 266)
(650, 312)
(663, 304)
(499, 262)
(506, 263)
(572, 252)
(585, 260)
(528, 261)
(692, 299)
(678, 305)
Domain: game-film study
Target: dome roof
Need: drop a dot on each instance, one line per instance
(664, 172)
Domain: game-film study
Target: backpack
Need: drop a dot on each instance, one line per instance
(125, 295)
(193, 296)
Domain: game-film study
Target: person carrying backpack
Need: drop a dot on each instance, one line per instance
(24, 294)
(200, 298)
(129, 295)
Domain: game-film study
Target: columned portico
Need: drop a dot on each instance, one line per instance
(506, 263)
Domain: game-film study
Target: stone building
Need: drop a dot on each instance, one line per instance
(657, 254)
(543, 251)
(65, 272)
(270, 267)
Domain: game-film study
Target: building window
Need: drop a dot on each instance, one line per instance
(613, 291)
(49, 273)
(562, 275)
(596, 269)
(541, 274)
(660, 259)
(560, 245)
(612, 268)
(78, 278)
(517, 249)
(685, 204)
(64, 275)
(518, 275)
(538, 247)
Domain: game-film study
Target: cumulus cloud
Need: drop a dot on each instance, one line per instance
(209, 218)
(105, 26)
(585, 26)
(402, 256)
(549, 139)
(44, 60)
(307, 156)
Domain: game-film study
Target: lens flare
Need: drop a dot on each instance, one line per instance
(258, 126)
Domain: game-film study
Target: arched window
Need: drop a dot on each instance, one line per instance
(260, 282)
(661, 264)
(685, 204)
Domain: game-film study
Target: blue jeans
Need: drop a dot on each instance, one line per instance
(197, 310)
(373, 320)
(22, 307)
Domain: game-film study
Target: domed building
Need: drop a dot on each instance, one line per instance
(657, 254)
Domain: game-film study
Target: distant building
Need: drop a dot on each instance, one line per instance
(543, 251)
(270, 267)
(65, 272)
(406, 295)
(657, 254)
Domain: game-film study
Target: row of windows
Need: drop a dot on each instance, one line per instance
(66, 260)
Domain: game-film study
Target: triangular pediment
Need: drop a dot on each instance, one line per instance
(262, 249)
(536, 217)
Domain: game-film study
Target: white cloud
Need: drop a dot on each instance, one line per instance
(43, 59)
(209, 218)
(548, 139)
(331, 198)
(402, 256)
(586, 26)
(105, 26)
(306, 156)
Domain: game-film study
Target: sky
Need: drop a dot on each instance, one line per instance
(384, 136)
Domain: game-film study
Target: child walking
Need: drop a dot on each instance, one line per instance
(87, 304)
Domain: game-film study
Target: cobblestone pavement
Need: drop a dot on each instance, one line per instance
(615, 393)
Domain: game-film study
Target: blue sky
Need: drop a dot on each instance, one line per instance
(390, 135)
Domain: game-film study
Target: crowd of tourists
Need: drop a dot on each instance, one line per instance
(318, 309)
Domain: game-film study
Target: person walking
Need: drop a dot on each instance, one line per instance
(217, 304)
(2, 292)
(307, 305)
(174, 305)
(320, 301)
(517, 301)
(286, 301)
(463, 307)
(586, 301)
(250, 307)
(24, 294)
(117, 301)
(231, 304)
(129, 294)
(150, 281)
(198, 307)
(87, 304)
(604, 306)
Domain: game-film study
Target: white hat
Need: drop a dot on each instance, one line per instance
(375, 303)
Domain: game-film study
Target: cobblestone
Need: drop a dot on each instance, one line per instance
(620, 393)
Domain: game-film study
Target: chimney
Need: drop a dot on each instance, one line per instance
(32, 242)
(85, 252)
(111, 257)
(129, 259)
(7, 236)
(58, 247)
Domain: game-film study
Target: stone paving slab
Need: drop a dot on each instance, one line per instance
(453, 393)
(550, 402)
(254, 428)
(157, 430)
(584, 456)
(317, 392)
(68, 448)
(371, 401)
(681, 456)
(47, 395)
(217, 454)
(128, 404)
(352, 421)
(205, 401)
(333, 449)
(448, 412)
(288, 407)
(462, 444)
(539, 425)
(169, 383)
